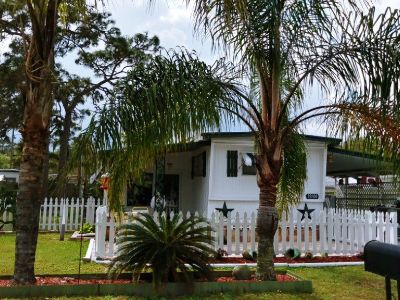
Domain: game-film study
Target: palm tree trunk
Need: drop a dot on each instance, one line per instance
(267, 224)
(29, 196)
(39, 67)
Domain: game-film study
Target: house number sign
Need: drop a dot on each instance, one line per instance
(312, 196)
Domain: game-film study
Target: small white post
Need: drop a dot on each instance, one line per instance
(62, 229)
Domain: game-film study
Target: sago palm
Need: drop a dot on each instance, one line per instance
(166, 246)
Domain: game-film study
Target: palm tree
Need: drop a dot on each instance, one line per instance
(287, 46)
(36, 22)
(282, 48)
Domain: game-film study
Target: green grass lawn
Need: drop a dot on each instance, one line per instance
(55, 257)
(52, 256)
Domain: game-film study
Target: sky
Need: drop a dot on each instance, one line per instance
(172, 22)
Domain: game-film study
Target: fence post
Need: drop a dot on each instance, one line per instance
(213, 230)
(291, 227)
(62, 223)
(298, 228)
(229, 234)
(44, 214)
(253, 232)
(322, 232)
(283, 231)
(111, 236)
(100, 235)
(315, 220)
(220, 230)
(306, 235)
(245, 229)
(237, 233)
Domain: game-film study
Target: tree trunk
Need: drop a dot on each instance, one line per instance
(267, 224)
(39, 63)
(268, 173)
(29, 195)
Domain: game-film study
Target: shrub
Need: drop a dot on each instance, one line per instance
(220, 253)
(165, 247)
(246, 255)
(308, 255)
(292, 253)
(87, 228)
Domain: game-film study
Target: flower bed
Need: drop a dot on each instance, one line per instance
(53, 286)
(315, 259)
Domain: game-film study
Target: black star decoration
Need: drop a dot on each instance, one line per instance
(304, 211)
(225, 210)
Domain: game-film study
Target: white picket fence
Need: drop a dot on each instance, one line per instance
(340, 232)
(53, 211)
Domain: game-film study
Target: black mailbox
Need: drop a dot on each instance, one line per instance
(383, 259)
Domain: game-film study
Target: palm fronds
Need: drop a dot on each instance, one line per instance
(167, 100)
(293, 172)
(167, 246)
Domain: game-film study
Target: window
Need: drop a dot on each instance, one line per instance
(232, 166)
(248, 164)
(199, 165)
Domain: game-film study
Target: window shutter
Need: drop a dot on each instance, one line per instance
(232, 158)
(204, 163)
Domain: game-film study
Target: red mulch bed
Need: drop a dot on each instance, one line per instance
(316, 259)
(234, 260)
(73, 281)
(279, 277)
(66, 281)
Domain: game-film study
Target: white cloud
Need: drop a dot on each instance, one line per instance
(177, 15)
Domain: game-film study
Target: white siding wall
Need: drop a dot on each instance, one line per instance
(199, 200)
(204, 194)
(241, 192)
